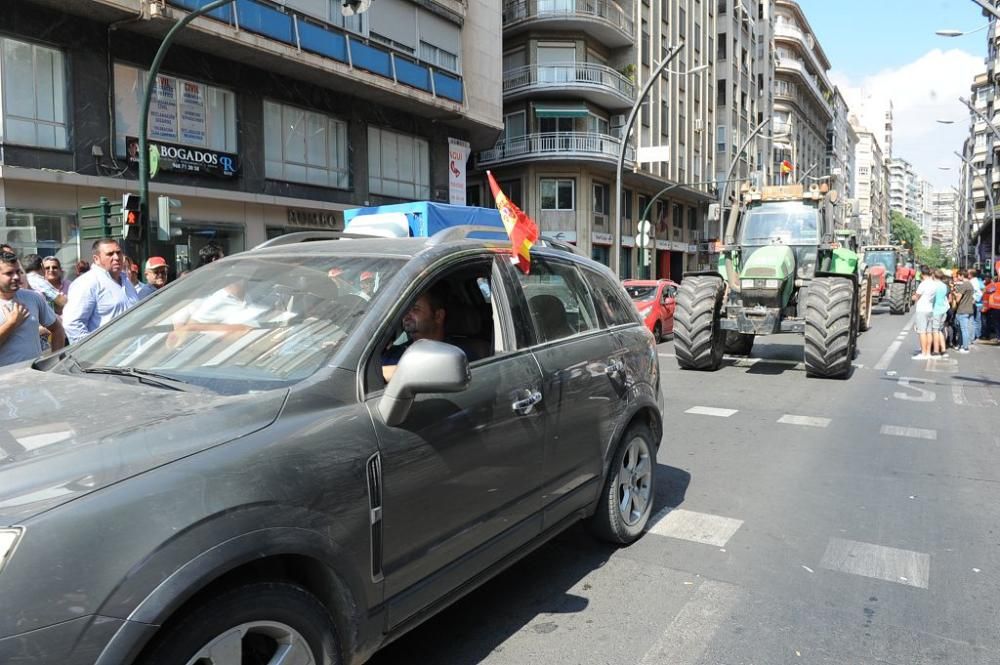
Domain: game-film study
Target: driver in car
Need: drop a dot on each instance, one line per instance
(424, 320)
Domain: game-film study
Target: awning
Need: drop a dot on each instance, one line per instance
(561, 111)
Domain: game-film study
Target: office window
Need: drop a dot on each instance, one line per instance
(33, 86)
(398, 165)
(601, 202)
(720, 138)
(681, 23)
(180, 111)
(557, 193)
(438, 56)
(304, 146)
(645, 42)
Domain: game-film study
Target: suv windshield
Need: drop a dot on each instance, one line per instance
(784, 222)
(247, 323)
(883, 258)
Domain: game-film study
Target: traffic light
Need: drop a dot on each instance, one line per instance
(164, 217)
(131, 217)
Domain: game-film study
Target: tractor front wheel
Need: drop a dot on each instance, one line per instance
(699, 343)
(866, 304)
(831, 332)
(897, 298)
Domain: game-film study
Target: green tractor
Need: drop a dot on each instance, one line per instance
(783, 269)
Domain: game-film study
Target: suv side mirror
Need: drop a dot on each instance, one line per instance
(426, 367)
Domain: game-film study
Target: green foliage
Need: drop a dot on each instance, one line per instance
(907, 233)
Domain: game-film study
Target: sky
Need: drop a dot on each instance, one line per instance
(887, 49)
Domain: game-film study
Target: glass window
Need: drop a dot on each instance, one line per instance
(438, 56)
(180, 111)
(557, 193)
(601, 203)
(305, 146)
(558, 299)
(32, 82)
(614, 307)
(398, 165)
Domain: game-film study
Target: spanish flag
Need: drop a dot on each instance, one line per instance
(522, 229)
(786, 166)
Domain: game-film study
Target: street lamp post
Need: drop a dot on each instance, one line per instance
(993, 212)
(616, 238)
(154, 70)
(732, 167)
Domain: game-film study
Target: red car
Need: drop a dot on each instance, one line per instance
(654, 298)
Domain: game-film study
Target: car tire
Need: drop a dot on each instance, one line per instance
(658, 332)
(627, 500)
(262, 617)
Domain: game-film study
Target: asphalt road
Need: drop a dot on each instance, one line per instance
(798, 521)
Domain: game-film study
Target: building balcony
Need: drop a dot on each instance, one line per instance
(556, 146)
(603, 20)
(788, 66)
(805, 42)
(598, 84)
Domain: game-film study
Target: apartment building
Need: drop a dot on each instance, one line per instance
(944, 220)
(904, 190)
(744, 95)
(571, 74)
(838, 168)
(269, 116)
(871, 188)
(803, 95)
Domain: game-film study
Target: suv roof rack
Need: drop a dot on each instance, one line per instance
(309, 236)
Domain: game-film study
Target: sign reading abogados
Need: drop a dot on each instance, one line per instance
(183, 158)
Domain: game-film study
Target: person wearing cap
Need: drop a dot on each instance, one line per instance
(155, 273)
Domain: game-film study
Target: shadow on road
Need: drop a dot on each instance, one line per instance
(475, 626)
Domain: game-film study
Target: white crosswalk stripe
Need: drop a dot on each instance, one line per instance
(695, 527)
(878, 562)
(909, 432)
(805, 421)
(710, 411)
(689, 635)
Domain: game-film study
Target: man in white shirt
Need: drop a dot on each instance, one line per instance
(923, 320)
(100, 294)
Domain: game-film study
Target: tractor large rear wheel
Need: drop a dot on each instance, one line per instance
(866, 303)
(699, 343)
(738, 344)
(831, 332)
(897, 298)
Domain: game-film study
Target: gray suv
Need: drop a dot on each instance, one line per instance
(224, 476)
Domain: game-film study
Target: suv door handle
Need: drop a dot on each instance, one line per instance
(614, 367)
(523, 406)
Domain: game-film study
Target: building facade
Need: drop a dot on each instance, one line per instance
(905, 195)
(871, 189)
(571, 74)
(803, 95)
(267, 117)
(838, 169)
(944, 220)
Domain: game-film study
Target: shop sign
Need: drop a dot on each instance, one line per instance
(323, 219)
(663, 245)
(692, 249)
(183, 158)
(564, 236)
(458, 155)
(600, 238)
(628, 241)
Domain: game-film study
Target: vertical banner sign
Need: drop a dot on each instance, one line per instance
(192, 125)
(458, 155)
(163, 110)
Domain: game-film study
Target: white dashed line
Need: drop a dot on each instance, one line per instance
(883, 362)
(695, 527)
(710, 411)
(910, 432)
(806, 421)
(878, 562)
(689, 635)
(958, 395)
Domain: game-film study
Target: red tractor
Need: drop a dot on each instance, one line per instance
(893, 276)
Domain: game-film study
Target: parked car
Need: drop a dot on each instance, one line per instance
(654, 299)
(224, 469)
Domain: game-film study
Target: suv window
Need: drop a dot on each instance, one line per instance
(615, 308)
(558, 299)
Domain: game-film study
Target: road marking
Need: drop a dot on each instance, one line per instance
(923, 396)
(689, 635)
(806, 421)
(877, 562)
(958, 395)
(695, 527)
(746, 362)
(910, 432)
(883, 362)
(668, 355)
(710, 411)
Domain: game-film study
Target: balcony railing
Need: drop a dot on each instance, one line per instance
(274, 21)
(556, 145)
(790, 63)
(562, 75)
(515, 11)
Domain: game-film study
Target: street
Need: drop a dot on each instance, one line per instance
(797, 521)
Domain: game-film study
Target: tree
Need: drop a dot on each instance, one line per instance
(905, 231)
(932, 257)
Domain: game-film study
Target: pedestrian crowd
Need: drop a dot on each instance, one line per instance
(42, 310)
(955, 311)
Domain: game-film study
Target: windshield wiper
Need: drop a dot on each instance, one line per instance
(144, 375)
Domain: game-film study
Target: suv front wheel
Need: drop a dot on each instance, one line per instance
(255, 624)
(627, 500)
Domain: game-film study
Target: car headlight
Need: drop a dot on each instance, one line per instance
(8, 540)
(746, 283)
(772, 283)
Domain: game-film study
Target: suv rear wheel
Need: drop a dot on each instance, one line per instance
(255, 624)
(627, 500)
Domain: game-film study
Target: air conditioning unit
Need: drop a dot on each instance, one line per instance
(698, 125)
